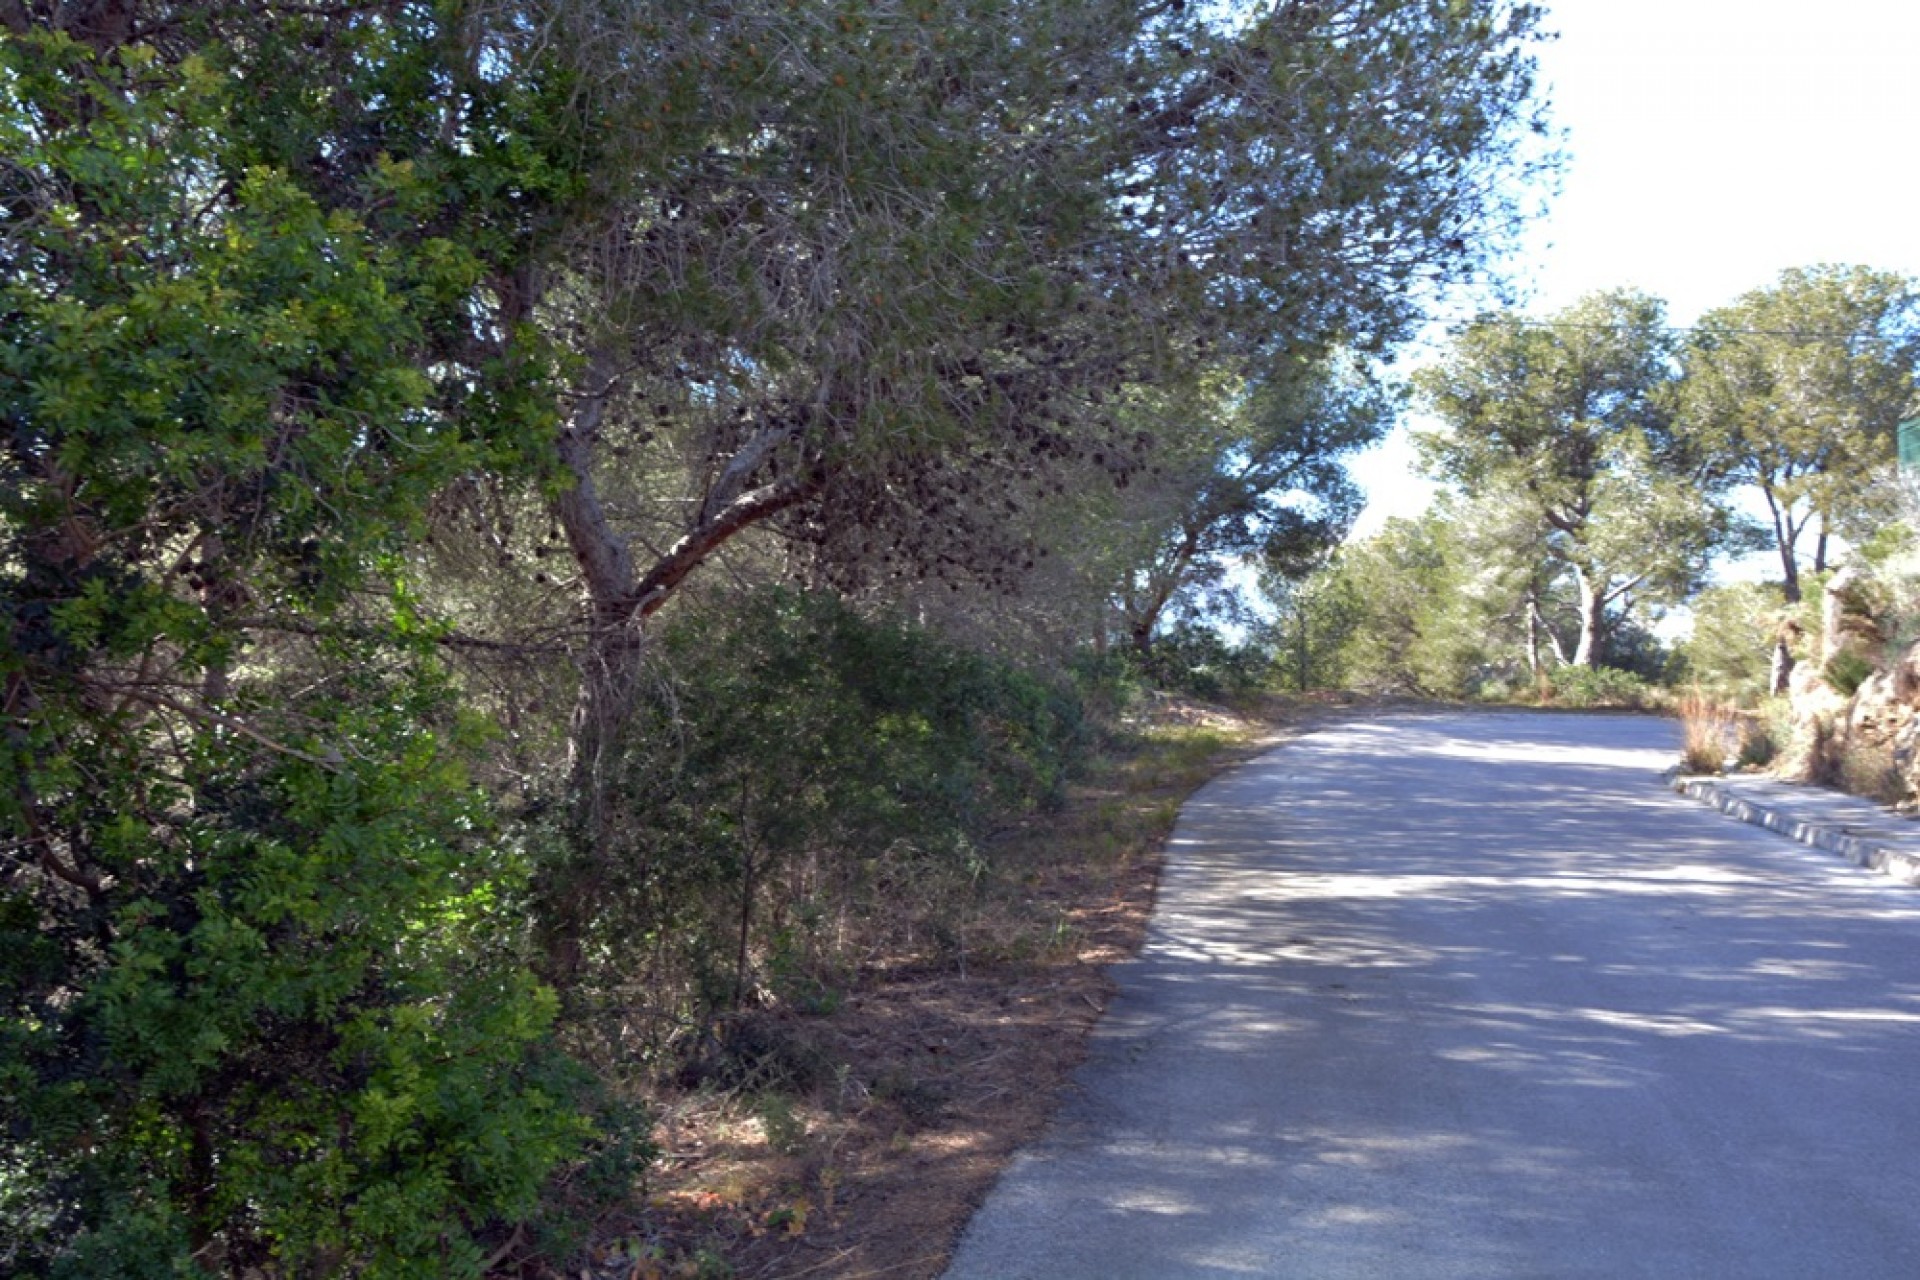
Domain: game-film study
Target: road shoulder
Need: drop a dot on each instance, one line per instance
(1867, 834)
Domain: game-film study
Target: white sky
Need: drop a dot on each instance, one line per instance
(1712, 144)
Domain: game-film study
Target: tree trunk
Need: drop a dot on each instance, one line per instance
(564, 889)
(1161, 584)
(1780, 668)
(1541, 629)
(620, 599)
(1533, 636)
(1786, 536)
(1589, 651)
(567, 890)
(1140, 632)
(1302, 653)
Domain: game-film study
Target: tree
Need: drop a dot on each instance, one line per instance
(1569, 424)
(865, 290)
(1735, 628)
(1411, 616)
(278, 281)
(874, 280)
(260, 997)
(1252, 476)
(1314, 620)
(1796, 390)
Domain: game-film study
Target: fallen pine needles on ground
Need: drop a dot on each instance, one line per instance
(891, 1109)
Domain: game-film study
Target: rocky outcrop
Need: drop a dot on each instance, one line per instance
(1820, 713)
(1856, 717)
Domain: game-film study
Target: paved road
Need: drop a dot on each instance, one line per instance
(1474, 996)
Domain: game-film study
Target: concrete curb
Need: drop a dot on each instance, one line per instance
(1835, 836)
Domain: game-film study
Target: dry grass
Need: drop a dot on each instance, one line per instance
(895, 1110)
(1711, 733)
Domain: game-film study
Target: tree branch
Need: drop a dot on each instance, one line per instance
(332, 762)
(602, 554)
(684, 556)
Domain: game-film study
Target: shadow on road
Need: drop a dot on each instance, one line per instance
(1474, 995)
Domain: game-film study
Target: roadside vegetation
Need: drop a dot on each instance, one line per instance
(854, 1130)
(606, 606)
(538, 540)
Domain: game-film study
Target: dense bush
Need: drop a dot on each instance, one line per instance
(261, 1009)
(284, 1028)
(789, 757)
(1193, 659)
(1108, 681)
(1586, 687)
(1847, 670)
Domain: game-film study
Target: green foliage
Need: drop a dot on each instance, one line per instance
(1847, 670)
(261, 1004)
(277, 282)
(1796, 389)
(283, 1025)
(1415, 617)
(1251, 472)
(886, 281)
(1194, 659)
(1588, 687)
(1108, 681)
(791, 754)
(1734, 628)
(1569, 426)
(1316, 617)
(1770, 732)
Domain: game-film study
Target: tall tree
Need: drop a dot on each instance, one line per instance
(1569, 421)
(1253, 476)
(876, 262)
(1796, 390)
(1410, 611)
(878, 271)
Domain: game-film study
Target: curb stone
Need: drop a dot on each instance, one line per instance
(1862, 847)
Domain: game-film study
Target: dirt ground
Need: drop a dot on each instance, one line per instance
(918, 1087)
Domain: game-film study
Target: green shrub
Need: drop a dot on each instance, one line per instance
(1106, 681)
(261, 1005)
(790, 759)
(1846, 671)
(1589, 687)
(1198, 661)
(286, 1030)
(1766, 733)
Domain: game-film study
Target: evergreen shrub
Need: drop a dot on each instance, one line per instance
(791, 764)
(1583, 688)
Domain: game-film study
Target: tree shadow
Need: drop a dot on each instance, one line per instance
(1475, 995)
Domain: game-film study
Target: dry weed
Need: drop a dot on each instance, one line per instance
(1711, 732)
(946, 1052)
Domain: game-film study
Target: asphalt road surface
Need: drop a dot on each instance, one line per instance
(1474, 996)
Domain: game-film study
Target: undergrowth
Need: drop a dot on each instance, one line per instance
(798, 1104)
(1711, 732)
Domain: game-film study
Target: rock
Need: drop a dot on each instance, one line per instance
(1819, 714)
(1870, 741)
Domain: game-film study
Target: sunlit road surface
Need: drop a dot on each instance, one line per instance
(1473, 995)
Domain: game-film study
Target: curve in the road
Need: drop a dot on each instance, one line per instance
(1473, 995)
